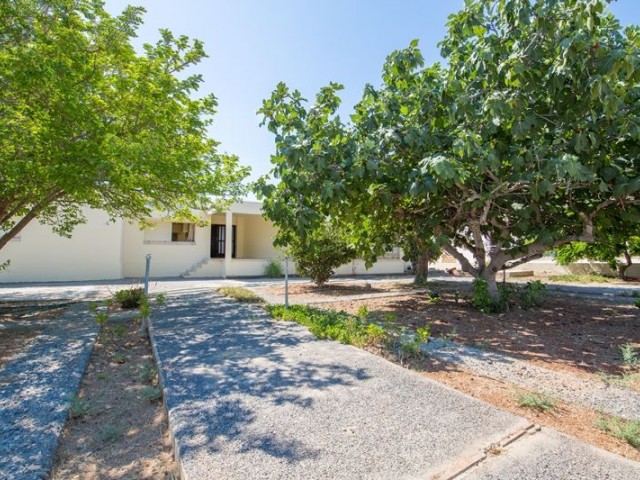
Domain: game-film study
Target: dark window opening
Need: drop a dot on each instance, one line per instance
(218, 241)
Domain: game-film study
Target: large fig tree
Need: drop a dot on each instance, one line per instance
(521, 143)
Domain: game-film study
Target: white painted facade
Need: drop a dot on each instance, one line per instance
(104, 250)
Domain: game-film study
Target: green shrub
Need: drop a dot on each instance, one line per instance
(534, 295)
(151, 393)
(273, 269)
(130, 297)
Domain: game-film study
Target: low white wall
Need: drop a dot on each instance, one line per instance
(381, 267)
(92, 253)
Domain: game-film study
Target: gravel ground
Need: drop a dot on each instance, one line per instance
(569, 388)
(35, 392)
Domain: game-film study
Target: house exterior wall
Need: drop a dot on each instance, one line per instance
(93, 253)
(168, 259)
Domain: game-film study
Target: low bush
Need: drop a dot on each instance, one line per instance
(130, 297)
(533, 295)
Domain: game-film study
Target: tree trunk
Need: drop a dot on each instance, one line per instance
(623, 267)
(489, 276)
(422, 267)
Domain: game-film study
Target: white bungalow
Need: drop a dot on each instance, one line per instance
(236, 243)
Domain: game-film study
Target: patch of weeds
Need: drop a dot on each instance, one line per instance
(482, 345)
(81, 408)
(580, 278)
(148, 373)
(331, 325)
(533, 295)
(241, 294)
(625, 430)
(110, 433)
(151, 393)
(119, 358)
(363, 313)
(102, 376)
(536, 401)
(434, 297)
(273, 269)
(119, 330)
(637, 303)
(625, 380)
(630, 356)
(129, 297)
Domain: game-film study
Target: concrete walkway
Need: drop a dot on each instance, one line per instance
(252, 398)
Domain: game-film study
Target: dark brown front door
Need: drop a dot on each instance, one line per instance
(218, 240)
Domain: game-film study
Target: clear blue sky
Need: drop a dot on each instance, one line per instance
(254, 44)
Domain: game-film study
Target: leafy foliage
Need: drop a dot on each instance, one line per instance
(89, 122)
(626, 430)
(527, 140)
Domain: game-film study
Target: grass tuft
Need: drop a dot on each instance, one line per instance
(625, 430)
(580, 278)
(241, 294)
(536, 401)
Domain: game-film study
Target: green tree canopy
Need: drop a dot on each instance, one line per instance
(527, 138)
(86, 121)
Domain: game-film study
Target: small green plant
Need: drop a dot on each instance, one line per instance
(424, 333)
(148, 373)
(93, 307)
(129, 297)
(101, 318)
(161, 299)
(102, 376)
(637, 303)
(119, 330)
(363, 313)
(630, 356)
(625, 430)
(273, 269)
(537, 401)
(151, 393)
(81, 407)
(241, 294)
(110, 433)
(534, 295)
(119, 358)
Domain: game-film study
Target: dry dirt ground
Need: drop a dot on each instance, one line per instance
(118, 426)
(575, 335)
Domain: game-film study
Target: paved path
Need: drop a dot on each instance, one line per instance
(36, 388)
(252, 398)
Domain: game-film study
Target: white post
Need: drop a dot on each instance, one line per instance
(286, 281)
(228, 244)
